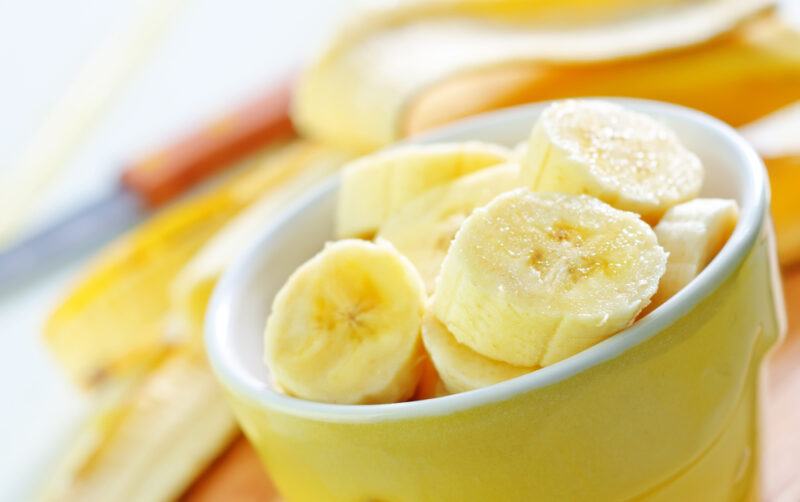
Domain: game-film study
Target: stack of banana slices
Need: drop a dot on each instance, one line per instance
(484, 264)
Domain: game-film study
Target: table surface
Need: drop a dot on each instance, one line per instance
(237, 473)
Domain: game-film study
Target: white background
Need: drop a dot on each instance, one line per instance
(212, 54)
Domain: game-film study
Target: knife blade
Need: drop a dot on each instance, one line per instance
(62, 242)
(148, 184)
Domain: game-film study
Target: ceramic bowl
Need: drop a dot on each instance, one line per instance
(665, 410)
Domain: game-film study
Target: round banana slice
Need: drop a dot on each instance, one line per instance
(624, 158)
(423, 228)
(692, 233)
(345, 328)
(375, 186)
(533, 278)
(461, 368)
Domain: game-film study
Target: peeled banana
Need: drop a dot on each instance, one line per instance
(533, 278)
(376, 186)
(692, 233)
(345, 328)
(461, 368)
(624, 158)
(423, 228)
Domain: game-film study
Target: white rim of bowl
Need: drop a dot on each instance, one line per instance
(237, 379)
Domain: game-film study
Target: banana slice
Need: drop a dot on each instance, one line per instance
(624, 158)
(376, 186)
(345, 328)
(533, 278)
(461, 368)
(423, 228)
(692, 233)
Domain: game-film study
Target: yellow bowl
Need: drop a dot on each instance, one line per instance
(666, 410)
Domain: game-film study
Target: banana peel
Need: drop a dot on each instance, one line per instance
(738, 77)
(160, 417)
(784, 177)
(776, 138)
(149, 437)
(399, 74)
(117, 316)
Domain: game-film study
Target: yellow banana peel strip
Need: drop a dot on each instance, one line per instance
(379, 16)
(386, 13)
(401, 71)
(150, 436)
(784, 177)
(776, 135)
(160, 417)
(777, 138)
(739, 77)
(117, 314)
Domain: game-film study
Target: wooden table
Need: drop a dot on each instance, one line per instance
(237, 474)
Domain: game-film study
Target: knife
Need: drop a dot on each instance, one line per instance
(148, 184)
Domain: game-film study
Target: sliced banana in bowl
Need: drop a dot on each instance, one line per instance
(529, 257)
(461, 368)
(423, 228)
(375, 186)
(345, 327)
(625, 158)
(692, 233)
(533, 278)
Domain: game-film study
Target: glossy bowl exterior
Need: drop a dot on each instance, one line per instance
(666, 410)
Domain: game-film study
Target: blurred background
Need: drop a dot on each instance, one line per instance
(185, 62)
(89, 87)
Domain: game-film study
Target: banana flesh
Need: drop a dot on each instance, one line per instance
(624, 158)
(345, 327)
(692, 233)
(423, 228)
(533, 278)
(376, 186)
(460, 368)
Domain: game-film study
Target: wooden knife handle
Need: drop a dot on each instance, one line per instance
(161, 176)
